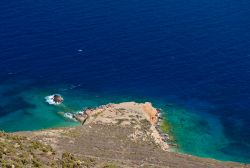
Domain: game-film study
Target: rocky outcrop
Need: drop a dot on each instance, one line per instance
(119, 135)
(58, 98)
(151, 112)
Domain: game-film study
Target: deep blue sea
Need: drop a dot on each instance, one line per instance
(191, 58)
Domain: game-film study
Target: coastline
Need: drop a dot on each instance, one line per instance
(127, 114)
(199, 134)
(126, 134)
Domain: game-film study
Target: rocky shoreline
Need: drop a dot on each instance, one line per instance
(105, 114)
(165, 135)
(124, 135)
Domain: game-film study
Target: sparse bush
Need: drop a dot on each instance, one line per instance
(21, 152)
(145, 124)
(110, 165)
(165, 127)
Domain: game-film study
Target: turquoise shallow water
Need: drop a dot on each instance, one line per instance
(191, 58)
(199, 135)
(30, 112)
(26, 109)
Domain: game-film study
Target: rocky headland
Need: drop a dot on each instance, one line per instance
(127, 135)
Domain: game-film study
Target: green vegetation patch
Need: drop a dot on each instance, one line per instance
(165, 127)
(19, 152)
(110, 165)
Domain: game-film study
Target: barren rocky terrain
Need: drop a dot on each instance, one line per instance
(111, 144)
(121, 135)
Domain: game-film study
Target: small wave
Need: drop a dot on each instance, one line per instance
(74, 86)
(71, 87)
(50, 99)
(62, 90)
(69, 116)
(11, 73)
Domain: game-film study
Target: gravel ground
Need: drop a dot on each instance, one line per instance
(112, 144)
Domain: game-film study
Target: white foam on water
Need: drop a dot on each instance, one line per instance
(50, 99)
(80, 112)
(74, 86)
(69, 116)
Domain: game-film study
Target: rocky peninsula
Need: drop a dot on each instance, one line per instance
(126, 135)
